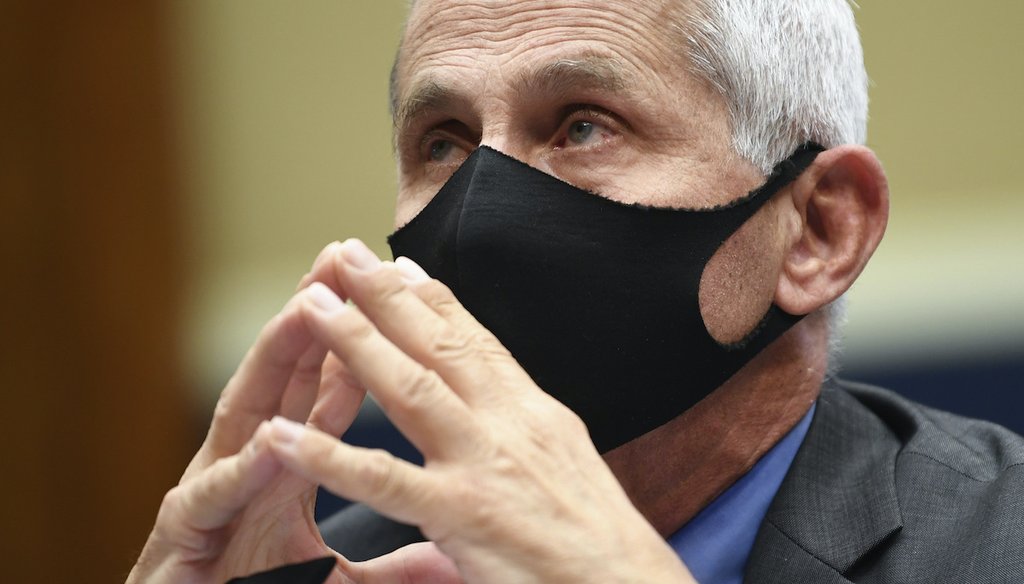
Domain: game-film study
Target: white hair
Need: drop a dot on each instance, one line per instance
(791, 71)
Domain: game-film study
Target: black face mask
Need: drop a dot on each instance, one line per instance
(596, 299)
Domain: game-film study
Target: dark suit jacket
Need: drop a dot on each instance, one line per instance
(882, 490)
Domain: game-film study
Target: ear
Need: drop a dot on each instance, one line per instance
(840, 210)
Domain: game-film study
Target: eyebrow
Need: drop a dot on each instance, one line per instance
(425, 96)
(564, 75)
(558, 77)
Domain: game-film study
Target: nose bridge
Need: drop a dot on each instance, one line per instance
(498, 128)
(505, 134)
(500, 116)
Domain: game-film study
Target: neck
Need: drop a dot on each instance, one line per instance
(674, 471)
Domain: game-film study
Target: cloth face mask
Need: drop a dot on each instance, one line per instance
(596, 299)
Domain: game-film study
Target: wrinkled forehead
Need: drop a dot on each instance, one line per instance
(494, 37)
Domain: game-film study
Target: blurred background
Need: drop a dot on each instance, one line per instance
(168, 170)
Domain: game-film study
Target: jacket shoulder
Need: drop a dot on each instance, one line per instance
(976, 449)
(960, 489)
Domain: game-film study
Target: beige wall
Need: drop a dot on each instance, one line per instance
(287, 144)
(946, 121)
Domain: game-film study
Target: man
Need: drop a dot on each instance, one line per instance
(655, 207)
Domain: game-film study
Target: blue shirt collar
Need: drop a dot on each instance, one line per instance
(716, 544)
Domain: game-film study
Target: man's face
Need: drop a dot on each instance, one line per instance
(597, 93)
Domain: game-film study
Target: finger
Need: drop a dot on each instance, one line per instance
(257, 390)
(303, 386)
(380, 292)
(415, 399)
(254, 392)
(442, 300)
(422, 563)
(217, 495)
(392, 486)
(337, 404)
(322, 268)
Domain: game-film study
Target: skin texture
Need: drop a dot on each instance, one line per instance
(512, 489)
(663, 139)
(496, 447)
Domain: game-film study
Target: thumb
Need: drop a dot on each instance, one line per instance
(418, 563)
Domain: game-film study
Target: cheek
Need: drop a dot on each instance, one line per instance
(738, 285)
(410, 201)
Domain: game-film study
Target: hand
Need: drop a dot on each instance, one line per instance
(512, 489)
(236, 510)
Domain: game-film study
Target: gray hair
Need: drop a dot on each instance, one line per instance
(791, 72)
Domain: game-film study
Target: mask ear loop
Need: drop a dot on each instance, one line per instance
(784, 173)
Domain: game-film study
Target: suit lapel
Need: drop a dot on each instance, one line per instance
(838, 501)
(777, 559)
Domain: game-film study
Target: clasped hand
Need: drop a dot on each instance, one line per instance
(512, 490)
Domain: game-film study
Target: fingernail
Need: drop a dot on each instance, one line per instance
(285, 431)
(324, 298)
(410, 270)
(358, 255)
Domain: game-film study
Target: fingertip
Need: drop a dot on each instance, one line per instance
(284, 432)
(411, 271)
(324, 299)
(327, 251)
(357, 255)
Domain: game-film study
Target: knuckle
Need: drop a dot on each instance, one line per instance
(449, 344)
(572, 422)
(490, 345)
(169, 518)
(307, 372)
(419, 391)
(551, 421)
(435, 293)
(357, 327)
(377, 472)
(384, 286)
(171, 502)
(305, 375)
(449, 307)
(223, 429)
(560, 416)
(203, 490)
(222, 412)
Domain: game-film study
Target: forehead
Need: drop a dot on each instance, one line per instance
(492, 38)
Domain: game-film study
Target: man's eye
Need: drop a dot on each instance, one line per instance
(586, 127)
(580, 132)
(440, 150)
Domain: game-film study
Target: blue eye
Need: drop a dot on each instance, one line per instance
(440, 150)
(581, 131)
